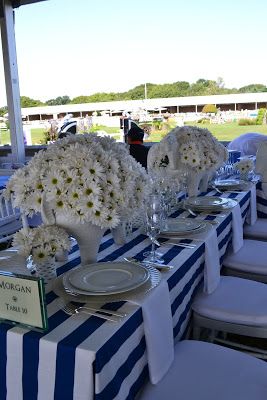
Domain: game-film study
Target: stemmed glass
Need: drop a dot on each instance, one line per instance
(153, 226)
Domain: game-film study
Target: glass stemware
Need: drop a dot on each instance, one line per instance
(153, 226)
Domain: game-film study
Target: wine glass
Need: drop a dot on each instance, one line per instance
(153, 226)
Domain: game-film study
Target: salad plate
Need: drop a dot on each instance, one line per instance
(230, 184)
(105, 278)
(206, 203)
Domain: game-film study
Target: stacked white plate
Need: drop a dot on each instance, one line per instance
(105, 278)
(228, 184)
(209, 203)
(182, 226)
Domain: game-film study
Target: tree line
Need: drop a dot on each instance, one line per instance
(202, 87)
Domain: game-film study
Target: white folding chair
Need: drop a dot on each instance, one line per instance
(205, 371)
(258, 231)
(249, 262)
(10, 219)
(237, 306)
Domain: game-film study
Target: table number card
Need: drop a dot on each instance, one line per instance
(22, 300)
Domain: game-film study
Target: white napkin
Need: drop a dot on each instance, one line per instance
(212, 262)
(237, 229)
(252, 212)
(156, 308)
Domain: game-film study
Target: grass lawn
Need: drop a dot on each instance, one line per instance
(229, 131)
(223, 132)
(38, 134)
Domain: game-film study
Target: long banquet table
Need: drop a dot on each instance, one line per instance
(83, 357)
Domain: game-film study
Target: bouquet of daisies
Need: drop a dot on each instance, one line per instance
(188, 148)
(84, 177)
(245, 165)
(42, 242)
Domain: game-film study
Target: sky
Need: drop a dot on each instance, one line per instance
(80, 47)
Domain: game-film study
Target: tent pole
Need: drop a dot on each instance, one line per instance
(12, 82)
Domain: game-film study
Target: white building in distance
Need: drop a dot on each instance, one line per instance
(228, 102)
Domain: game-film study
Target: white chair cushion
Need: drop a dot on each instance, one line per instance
(250, 258)
(205, 371)
(235, 300)
(258, 230)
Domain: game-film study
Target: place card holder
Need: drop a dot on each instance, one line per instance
(22, 301)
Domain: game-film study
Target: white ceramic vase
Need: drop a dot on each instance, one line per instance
(204, 181)
(122, 232)
(193, 180)
(88, 235)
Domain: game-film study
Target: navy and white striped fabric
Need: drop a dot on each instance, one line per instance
(261, 201)
(83, 357)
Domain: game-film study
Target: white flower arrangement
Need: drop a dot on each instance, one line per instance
(42, 242)
(85, 177)
(191, 147)
(244, 165)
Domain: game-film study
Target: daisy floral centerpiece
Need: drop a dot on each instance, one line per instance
(81, 182)
(189, 151)
(244, 166)
(42, 244)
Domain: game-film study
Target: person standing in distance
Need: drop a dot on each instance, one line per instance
(138, 150)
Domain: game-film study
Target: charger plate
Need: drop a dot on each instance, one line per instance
(230, 184)
(70, 294)
(105, 278)
(208, 203)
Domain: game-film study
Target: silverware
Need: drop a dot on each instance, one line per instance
(160, 267)
(71, 308)
(217, 190)
(191, 211)
(185, 245)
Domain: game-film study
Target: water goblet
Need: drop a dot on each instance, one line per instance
(153, 226)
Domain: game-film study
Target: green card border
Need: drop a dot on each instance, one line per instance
(42, 298)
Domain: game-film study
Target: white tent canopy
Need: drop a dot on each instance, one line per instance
(11, 75)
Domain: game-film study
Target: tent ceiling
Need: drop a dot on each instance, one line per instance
(16, 4)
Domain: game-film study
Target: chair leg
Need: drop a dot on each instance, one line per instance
(212, 335)
(196, 332)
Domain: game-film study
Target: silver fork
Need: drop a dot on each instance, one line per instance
(71, 308)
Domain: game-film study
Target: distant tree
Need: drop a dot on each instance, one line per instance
(202, 87)
(3, 111)
(253, 88)
(80, 100)
(60, 100)
(209, 109)
(28, 102)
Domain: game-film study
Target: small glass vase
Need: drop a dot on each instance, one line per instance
(45, 269)
(244, 176)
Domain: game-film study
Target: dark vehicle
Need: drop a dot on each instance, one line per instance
(69, 127)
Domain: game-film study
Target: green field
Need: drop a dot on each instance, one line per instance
(223, 132)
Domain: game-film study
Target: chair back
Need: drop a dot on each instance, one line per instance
(10, 219)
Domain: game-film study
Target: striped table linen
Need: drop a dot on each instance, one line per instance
(83, 357)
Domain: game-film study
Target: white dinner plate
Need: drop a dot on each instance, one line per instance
(206, 203)
(173, 232)
(105, 278)
(230, 184)
(178, 226)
